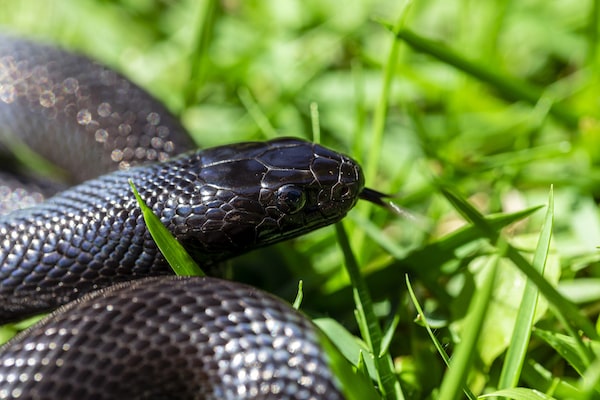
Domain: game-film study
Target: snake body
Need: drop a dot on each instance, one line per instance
(170, 338)
(218, 202)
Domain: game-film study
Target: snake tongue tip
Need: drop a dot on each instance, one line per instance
(380, 199)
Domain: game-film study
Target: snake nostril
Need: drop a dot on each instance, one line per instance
(346, 192)
(341, 191)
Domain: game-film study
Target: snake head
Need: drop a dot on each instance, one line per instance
(252, 194)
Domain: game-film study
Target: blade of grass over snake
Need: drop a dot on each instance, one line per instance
(517, 349)
(387, 380)
(9, 330)
(179, 259)
(462, 360)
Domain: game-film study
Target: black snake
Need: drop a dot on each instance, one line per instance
(157, 337)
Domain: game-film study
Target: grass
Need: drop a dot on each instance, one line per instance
(469, 112)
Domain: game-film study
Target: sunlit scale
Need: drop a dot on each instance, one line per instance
(12, 198)
(57, 90)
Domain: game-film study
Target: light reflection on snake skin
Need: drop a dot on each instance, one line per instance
(94, 103)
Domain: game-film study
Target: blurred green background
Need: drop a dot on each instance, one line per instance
(496, 99)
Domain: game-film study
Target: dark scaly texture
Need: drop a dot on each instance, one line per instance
(218, 202)
(170, 338)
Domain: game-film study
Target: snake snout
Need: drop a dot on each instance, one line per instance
(340, 180)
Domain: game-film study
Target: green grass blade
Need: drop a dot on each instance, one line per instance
(568, 314)
(561, 306)
(423, 259)
(199, 60)
(360, 113)
(590, 381)
(386, 378)
(515, 356)
(423, 319)
(518, 394)
(388, 334)
(536, 375)
(315, 124)
(568, 348)
(460, 364)
(436, 342)
(364, 305)
(379, 118)
(259, 117)
(355, 385)
(349, 345)
(515, 89)
(7, 331)
(299, 295)
(177, 257)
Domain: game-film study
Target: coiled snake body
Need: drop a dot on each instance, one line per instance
(158, 337)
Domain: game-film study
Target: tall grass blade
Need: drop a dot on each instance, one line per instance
(560, 306)
(518, 394)
(515, 356)
(299, 296)
(461, 362)
(386, 378)
(436, 342)
(515, 89)
(355, 384)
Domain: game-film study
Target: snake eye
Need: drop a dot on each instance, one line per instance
(290, 199)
